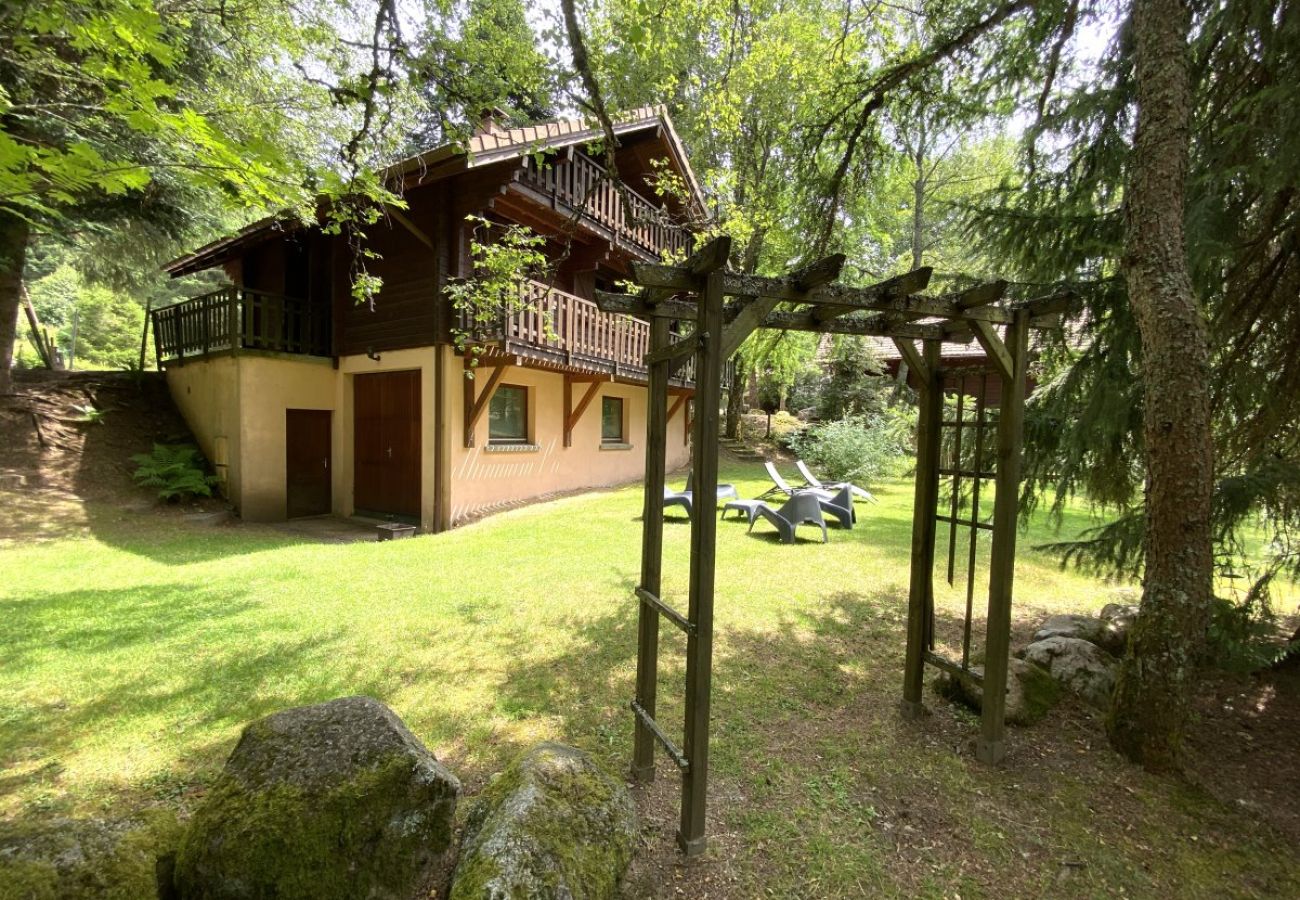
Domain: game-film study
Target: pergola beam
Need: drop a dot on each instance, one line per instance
(753, 313)
(709, 258)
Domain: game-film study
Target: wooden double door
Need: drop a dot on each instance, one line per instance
(386, 448)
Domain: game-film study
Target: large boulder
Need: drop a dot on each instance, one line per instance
(1078, 665)
(81, 859)
(1031, 692)
(1117, 621)
(337, 800)
(1085, 628)
(553, 825)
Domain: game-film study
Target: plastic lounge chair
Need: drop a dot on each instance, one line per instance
(840, 507)
(781, 487)
(724, 490)
(813, 482)
(677, 498)
(804, 508)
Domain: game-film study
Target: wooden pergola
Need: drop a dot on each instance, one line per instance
(726, 308)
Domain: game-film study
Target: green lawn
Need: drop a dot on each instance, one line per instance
(133, 655)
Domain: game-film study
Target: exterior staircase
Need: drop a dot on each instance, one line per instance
(741, 450)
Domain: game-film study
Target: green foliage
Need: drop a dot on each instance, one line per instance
(178, 471)
(505, 256)
(853, 385)
(90, 415)
(857, 449)
(107, 323)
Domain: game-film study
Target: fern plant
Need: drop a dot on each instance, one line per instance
(177, 471)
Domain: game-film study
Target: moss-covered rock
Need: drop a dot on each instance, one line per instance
(337, 800)
(1079, 666)
(553, 825)
(1031, 691)
(84, 859)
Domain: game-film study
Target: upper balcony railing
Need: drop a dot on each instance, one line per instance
(568, 330)
(582, 184)
(236, 318)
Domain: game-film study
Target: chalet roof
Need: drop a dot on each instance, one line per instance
(483, 149)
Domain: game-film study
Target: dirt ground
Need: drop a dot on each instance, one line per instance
(66, 442)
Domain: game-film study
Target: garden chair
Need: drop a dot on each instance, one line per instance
(724, 490)
(804, 508)
(781, 487)
(677, 498)
(840, 507)
(814, 482)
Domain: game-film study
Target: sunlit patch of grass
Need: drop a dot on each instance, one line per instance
(134, 651)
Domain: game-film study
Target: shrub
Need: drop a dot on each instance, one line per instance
(178, 472)
(858, 449)
(854, 385)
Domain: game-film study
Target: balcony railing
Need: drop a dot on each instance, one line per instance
(559, 327)
(236, 318)
(581, 183)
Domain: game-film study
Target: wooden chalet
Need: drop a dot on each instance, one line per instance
(308, 403)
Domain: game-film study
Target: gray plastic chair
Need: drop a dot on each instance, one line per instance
(814, 482)
(724, 490)
(803, 508)
(782, 487)
(840, 507)
(678, 498)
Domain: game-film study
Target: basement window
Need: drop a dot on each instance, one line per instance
(611, 420)
(508, 415)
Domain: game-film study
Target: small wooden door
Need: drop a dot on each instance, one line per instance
(386, 443)
(307, 462)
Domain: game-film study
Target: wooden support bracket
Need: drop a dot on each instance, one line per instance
(405, 220)
(913, 359)
(752, 314)
(476, 406)
(988, 337)
(572, 414)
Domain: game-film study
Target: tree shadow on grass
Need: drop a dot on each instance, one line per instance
(163, 662)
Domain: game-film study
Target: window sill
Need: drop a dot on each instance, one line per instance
(615, 445)
(512, 448)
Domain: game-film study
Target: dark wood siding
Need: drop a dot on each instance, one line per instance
(405, 311)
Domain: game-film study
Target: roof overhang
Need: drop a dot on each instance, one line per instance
(484, 149)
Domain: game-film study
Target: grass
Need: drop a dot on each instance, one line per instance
(135, 652)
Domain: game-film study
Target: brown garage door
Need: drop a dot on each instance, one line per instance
(307, 462)
(386, 449)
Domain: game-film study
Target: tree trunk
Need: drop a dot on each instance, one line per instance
(918, 235)
(13, 255)
(735, 398)
(1158, 676)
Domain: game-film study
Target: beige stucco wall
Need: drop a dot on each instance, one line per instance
(484, 478)
(269, 385)
(207, 394)
(236, 408)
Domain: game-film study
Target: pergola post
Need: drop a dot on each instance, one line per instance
(704, 525)
(921, 593)
(991, 746)
(652, 554)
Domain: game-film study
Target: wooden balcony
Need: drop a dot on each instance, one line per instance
(580, 184)
(572, 333)
(234, 319)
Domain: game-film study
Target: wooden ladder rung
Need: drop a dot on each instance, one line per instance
(669, 747)
(986, 526)
(667, 611)
(943, 662)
